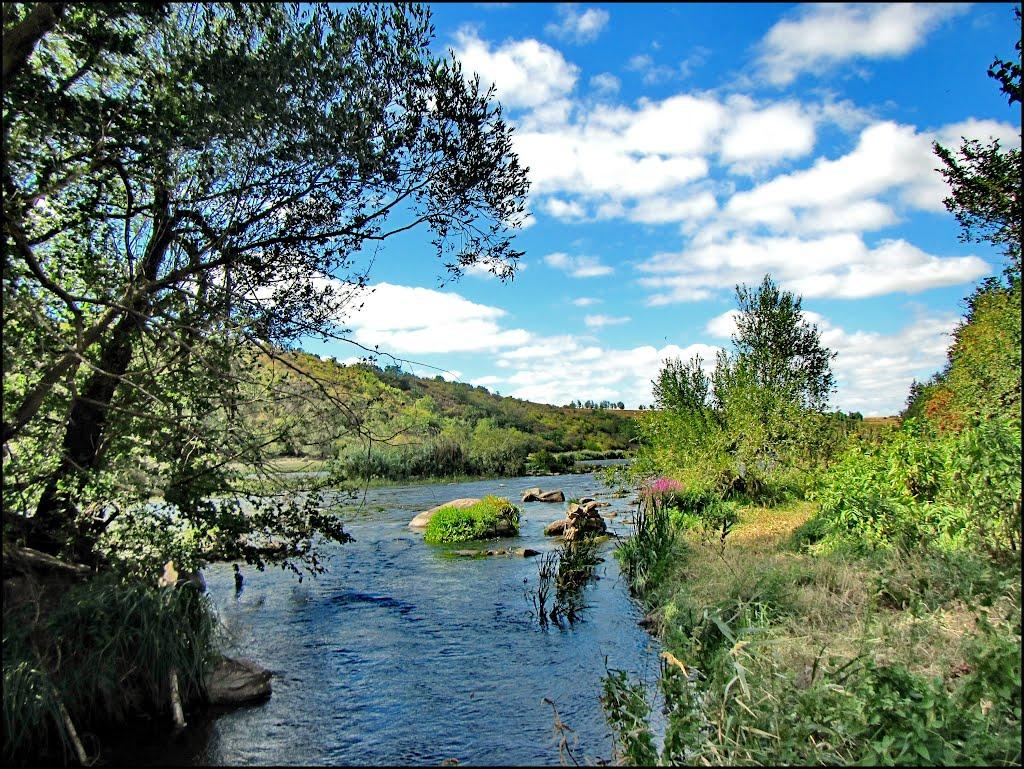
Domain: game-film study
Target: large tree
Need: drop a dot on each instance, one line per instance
(189, 189)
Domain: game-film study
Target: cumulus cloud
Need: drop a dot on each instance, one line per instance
(778, 131)
(650, 72)
(889, 159)
(589, 371)
(840, 266)
(585, 301)
(526, 73)
(605, 82)
(578, 266)
(576, 26)
(409, 320)
(564, 209)
(822, 35)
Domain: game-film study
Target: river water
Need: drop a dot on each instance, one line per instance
(403, 654)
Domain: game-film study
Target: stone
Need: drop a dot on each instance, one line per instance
(525, 552)
(537, 495)
(557, 528)
(236, 682)
(422, 519)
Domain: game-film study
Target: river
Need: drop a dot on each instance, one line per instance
(403, 654)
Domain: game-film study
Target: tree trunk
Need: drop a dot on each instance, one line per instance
(53, 527)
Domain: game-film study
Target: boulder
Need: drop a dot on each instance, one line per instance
(526, 552)
(536, 495)
(421, 520)
(235, 682)
(557, 528)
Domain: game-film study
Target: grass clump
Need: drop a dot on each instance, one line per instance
(490, 517)
(103, 651)
(562, 575)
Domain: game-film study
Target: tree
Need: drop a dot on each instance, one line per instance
(981, 380)
(187, 190)
(779, 347)
(682, 386)
(985, 179)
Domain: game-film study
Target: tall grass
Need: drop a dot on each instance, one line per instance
(782, 657)
(105, 652)
(562, 575)
(647, 553)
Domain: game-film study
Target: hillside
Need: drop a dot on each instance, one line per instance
(391, 424)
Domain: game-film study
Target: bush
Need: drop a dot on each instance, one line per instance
(103, 652)
(478, 521)
(916, 487)
(544, 462)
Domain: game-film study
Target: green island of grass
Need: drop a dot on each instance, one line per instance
(490, 517)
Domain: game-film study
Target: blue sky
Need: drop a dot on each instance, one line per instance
(678, 149)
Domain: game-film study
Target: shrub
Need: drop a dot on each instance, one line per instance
(479, 521)
(916, 487)
(103, 652)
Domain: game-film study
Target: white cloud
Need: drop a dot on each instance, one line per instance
(576, 26)
(825, 34)
(486, 381)
(722, 326)
(578, 266)
(606, 83)
(840, 266)
(404, 319)
(564, 209)
(585, 301)
(778, 131)
(598, 321)
(526, 73)
(561, 369)
(836, 194)
(658, 209)
(650, 72)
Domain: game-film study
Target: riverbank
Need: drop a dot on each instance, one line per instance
(794, 657)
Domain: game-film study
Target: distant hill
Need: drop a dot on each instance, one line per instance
(425, 427)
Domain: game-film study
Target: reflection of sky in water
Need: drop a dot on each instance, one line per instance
(402, 655)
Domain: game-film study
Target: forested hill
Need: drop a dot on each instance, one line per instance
(422, 426)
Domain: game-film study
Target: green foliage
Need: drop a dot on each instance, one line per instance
(987, 483)
(950, 491)
(104, 652)
(756, 428)
(478, 521)
(562, 575)
(179, 180)
(648, 552)
(734, 695)
(627, 711)
(543, 461)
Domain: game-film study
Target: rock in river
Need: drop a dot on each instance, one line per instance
(536, 495)
(421, 520)
(234, 682)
